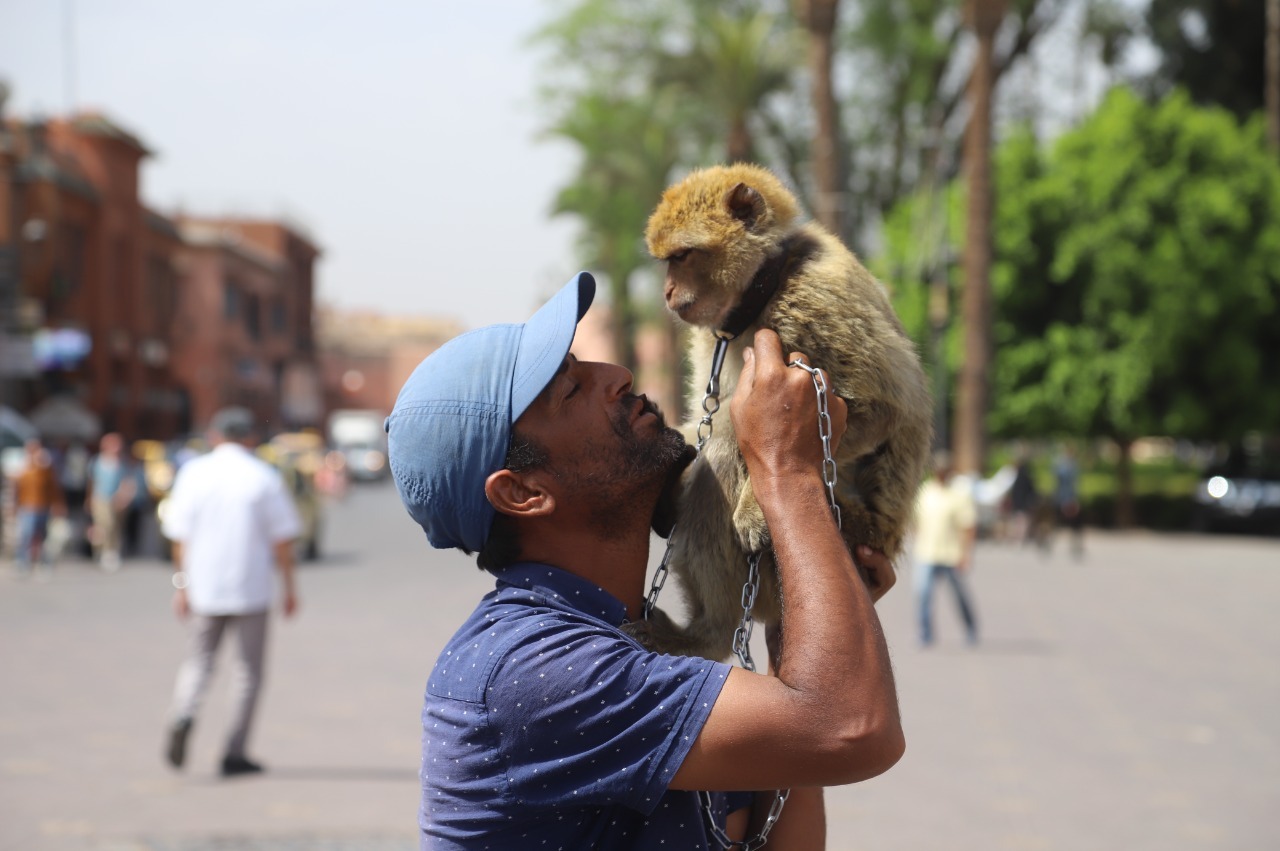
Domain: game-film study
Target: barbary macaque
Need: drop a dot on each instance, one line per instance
(739, 259)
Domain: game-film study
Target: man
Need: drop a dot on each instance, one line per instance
(545, 725)
(945, 528)
(230, 519)
(36, 496)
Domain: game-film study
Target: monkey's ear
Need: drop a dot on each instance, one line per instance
(746, 205)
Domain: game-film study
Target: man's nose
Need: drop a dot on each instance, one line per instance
(617, 380)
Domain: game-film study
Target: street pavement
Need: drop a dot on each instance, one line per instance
(1126, 700)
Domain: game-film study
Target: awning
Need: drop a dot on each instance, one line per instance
(65, 418)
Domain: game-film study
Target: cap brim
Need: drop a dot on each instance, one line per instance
(546, 339)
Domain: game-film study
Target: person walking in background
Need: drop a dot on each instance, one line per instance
(112, 486)
(1023, 502)
(945, 528)
(36, 496)
(1066, 498)
(231, 520)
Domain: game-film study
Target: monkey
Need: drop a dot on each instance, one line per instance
(738, 258)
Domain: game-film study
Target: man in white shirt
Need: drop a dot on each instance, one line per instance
(945, 528)
(231, 521)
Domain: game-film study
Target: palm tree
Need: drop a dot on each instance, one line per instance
(734, 61)
(983, 17)
(627, 156)
(819, 18)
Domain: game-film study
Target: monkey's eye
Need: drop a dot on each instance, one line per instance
(679, 256)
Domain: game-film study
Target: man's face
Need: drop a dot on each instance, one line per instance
(605, 445)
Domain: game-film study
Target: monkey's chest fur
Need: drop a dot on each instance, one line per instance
(831, 309)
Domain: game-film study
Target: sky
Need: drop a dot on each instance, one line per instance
(403, 136)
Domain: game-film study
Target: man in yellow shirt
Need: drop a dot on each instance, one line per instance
(945, 528)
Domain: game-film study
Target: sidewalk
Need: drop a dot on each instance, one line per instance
(1126, 701)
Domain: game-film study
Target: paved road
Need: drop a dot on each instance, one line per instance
(1126, 701)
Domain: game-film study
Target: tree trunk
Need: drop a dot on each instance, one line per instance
(676, 392)
(1124, 485)
(984, 17)
(819, 18)
(1273, 74)
(740, 145)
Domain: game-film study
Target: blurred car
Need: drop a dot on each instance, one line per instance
(358, 434)
(1240, 491)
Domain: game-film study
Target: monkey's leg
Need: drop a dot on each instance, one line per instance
(748, 521)
(886, 482)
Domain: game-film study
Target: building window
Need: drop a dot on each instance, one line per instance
(253, 316)
(230, 299)
(279, 317)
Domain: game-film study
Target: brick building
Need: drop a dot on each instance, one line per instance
(244, 319)
(365, 357)
(144, 323)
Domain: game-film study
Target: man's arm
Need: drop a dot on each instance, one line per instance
(831, 714)
(181, 607)
(284, 563)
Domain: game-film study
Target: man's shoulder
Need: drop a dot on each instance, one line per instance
(502, 634)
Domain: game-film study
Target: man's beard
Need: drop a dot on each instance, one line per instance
(613, 480)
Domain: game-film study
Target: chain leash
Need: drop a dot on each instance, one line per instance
(824, 432)
(750, 588)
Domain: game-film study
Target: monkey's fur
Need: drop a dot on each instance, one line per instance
(721, 231)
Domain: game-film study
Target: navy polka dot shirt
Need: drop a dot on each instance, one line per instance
(546, 727)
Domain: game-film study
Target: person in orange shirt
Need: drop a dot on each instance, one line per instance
(37, 495)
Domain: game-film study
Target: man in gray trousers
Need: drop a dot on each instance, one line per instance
(231, 521)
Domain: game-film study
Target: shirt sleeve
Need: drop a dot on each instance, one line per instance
(586, 715)
(178, 508)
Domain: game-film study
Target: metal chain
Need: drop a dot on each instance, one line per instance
(755, 842)
(711, 399)
(824, 432)
(750, 588)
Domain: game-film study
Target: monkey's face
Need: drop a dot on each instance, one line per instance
(704, 285)
(714, 229)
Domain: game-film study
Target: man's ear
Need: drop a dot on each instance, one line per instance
(519, 494)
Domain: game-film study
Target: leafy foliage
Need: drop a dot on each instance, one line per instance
(1136, 278)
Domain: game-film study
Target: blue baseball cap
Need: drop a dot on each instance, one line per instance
(451, 424)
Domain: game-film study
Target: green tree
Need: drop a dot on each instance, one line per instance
(1136, 281)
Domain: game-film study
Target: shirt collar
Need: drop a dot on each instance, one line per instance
(563, 589)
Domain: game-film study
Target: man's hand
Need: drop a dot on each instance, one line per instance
(181, 607)
(775, 411)
(876, 570)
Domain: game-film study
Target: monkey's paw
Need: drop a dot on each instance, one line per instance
(656, 634)
(752, 531)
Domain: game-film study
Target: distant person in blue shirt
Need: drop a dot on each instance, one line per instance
(544, 724)
(113, 484)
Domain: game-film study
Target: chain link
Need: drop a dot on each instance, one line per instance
(750, 588)
(755, 842)
(824, 432)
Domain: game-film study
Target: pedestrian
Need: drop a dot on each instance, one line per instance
(230, 520)
(545, 725)
(71, 460)
(1024, 500)
(1066, 498)
(37, 496)
(112, 487)
(945, 529)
